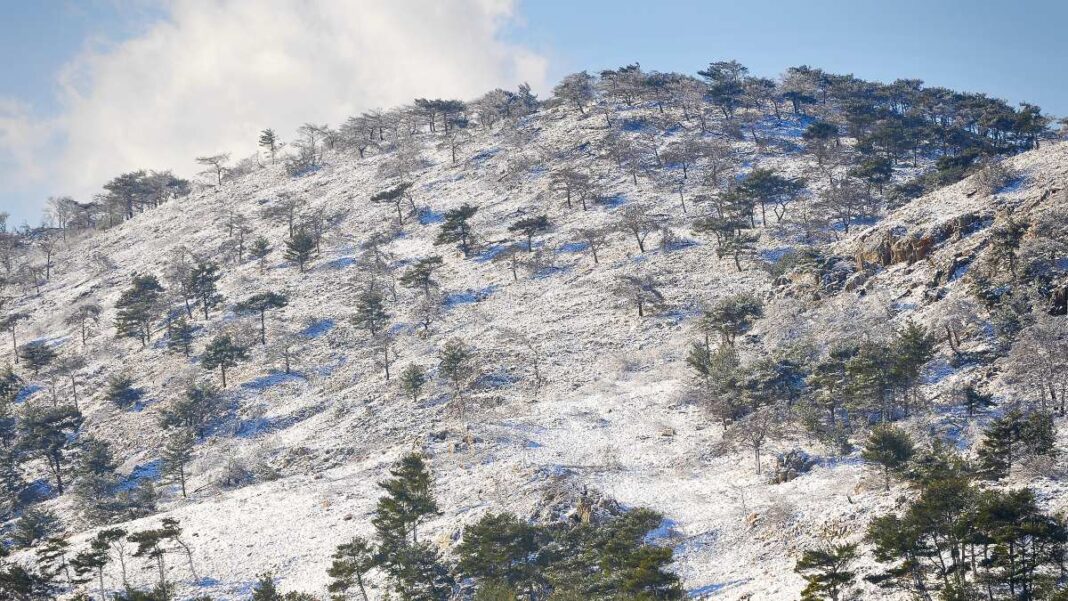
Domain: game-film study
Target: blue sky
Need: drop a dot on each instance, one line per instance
(1011, 50)
(1014, 50)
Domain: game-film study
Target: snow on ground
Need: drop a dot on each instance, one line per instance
(614, 414)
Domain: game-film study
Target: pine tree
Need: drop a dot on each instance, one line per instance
(37, 355)
(259, 248)
(138, 307)
(223, 352)
(300, 249)
(121, 391)
(412, 380)
(92, 562)
(414, 567)
(264, 589)
(394, 196)
(457, 228)
(47, 432)
(11, 482)
(203, 284)
(501, 548)
(351, 563)
(911, 349)
(195, 410)
(96, 481)
(371, 314)
(10, 385)
(150, 545)
(1012, 437)
(974, 399)
(408, 502)
(259, 304)
(10, 324)
(456, 364)
(176, 455)
(34, 526)
(421, 275)
(181, 337)
(529, 227)
(52, 559)
(890, 447)
(826, 571)
(269, 142)
(733, 316)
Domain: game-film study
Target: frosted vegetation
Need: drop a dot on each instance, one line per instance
(656, 336)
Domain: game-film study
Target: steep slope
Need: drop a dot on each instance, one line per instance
(615, 413)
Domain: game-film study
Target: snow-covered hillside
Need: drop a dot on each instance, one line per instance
(616, 412)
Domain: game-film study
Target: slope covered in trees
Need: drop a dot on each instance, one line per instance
(654, 335)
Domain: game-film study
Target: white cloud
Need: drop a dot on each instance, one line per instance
(214, 73)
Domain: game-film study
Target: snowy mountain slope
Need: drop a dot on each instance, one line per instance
(615, 414)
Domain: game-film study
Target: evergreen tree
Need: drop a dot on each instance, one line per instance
(911, 348)
(503, 549)
(121, 391)
(890, 447)
(612, 560)
(223, 352)
(269, 142)
(151, 546)
(408, 502)
(395, 196)
(96, 480)
(1012, 437)
(414, 567)
(457, 228)
(195, 410)
(19, 584)
(421, 275)
(203, 284)
(11, 483)
(47, 432)
(52, 559)
(264, 589)
(529, 227)
(351, 563)
(10, 386)
(826, 572)
(92, 562)
(34, 526)
(138, 307)
(371, 314)
(412, 380)
(259, 248)
(733, 316)
(870, 379)
(300, 249)
(37, 355)
(176, 455)
(456, 364)
(768, 188)
(975, 400)
(181, 337)
(259, 304)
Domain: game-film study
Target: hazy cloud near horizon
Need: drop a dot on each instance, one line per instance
(213, 74)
